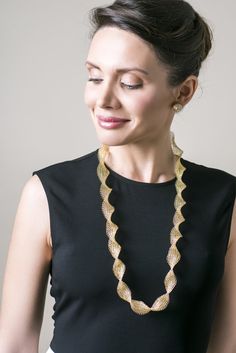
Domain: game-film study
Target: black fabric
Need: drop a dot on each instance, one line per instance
(89, 315)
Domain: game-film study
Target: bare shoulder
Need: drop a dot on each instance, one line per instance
(26, 271)
(34, 206)
(33, 188)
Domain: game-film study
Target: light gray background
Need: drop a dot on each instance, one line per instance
(44, 119)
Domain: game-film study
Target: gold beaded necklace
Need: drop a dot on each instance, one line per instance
(173, 256)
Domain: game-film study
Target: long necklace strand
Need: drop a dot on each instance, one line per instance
(173, 256)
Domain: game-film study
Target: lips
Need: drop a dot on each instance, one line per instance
(112, 119)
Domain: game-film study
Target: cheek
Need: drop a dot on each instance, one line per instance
(151, 102)
(145, 102)
(89, 97)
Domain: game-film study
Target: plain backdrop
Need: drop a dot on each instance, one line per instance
(44, 120)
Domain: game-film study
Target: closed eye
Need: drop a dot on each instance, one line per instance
(131, 86)
(97, 80)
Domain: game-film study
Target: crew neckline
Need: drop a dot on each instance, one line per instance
(136, 182)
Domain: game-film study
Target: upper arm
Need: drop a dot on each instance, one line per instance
(26, 272)
(223, 335)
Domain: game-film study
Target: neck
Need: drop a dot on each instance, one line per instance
(150, 162)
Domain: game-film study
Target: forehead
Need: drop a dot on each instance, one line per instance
(114, 47)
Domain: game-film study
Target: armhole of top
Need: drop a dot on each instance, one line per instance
(231, 214)
(229, 242)
(44, 184)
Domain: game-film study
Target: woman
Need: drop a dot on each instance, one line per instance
(140, 243)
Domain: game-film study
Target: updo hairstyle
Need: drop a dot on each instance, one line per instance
(180, 37)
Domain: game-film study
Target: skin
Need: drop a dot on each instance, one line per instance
(141, 148)
(30, 252)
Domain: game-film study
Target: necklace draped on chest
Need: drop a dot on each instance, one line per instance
(173, 255)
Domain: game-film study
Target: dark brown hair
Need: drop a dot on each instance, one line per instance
(180, 37)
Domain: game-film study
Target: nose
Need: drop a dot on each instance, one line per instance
(107, 97)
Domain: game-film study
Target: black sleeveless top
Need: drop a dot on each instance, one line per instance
(89, 316)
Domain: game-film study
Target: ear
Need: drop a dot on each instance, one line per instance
(185, 91)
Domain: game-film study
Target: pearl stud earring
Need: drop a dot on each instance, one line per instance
(177, 107)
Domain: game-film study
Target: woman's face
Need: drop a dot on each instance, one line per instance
(142, 97)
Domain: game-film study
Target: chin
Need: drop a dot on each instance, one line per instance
(111, 139)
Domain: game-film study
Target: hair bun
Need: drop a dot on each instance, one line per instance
(207, 36)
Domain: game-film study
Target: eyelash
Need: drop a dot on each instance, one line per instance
(128, 86)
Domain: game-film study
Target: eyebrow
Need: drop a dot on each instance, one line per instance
(125, 69)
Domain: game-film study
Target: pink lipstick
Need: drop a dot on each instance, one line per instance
(111, 122)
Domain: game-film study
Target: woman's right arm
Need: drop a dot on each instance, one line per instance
(26, 272)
